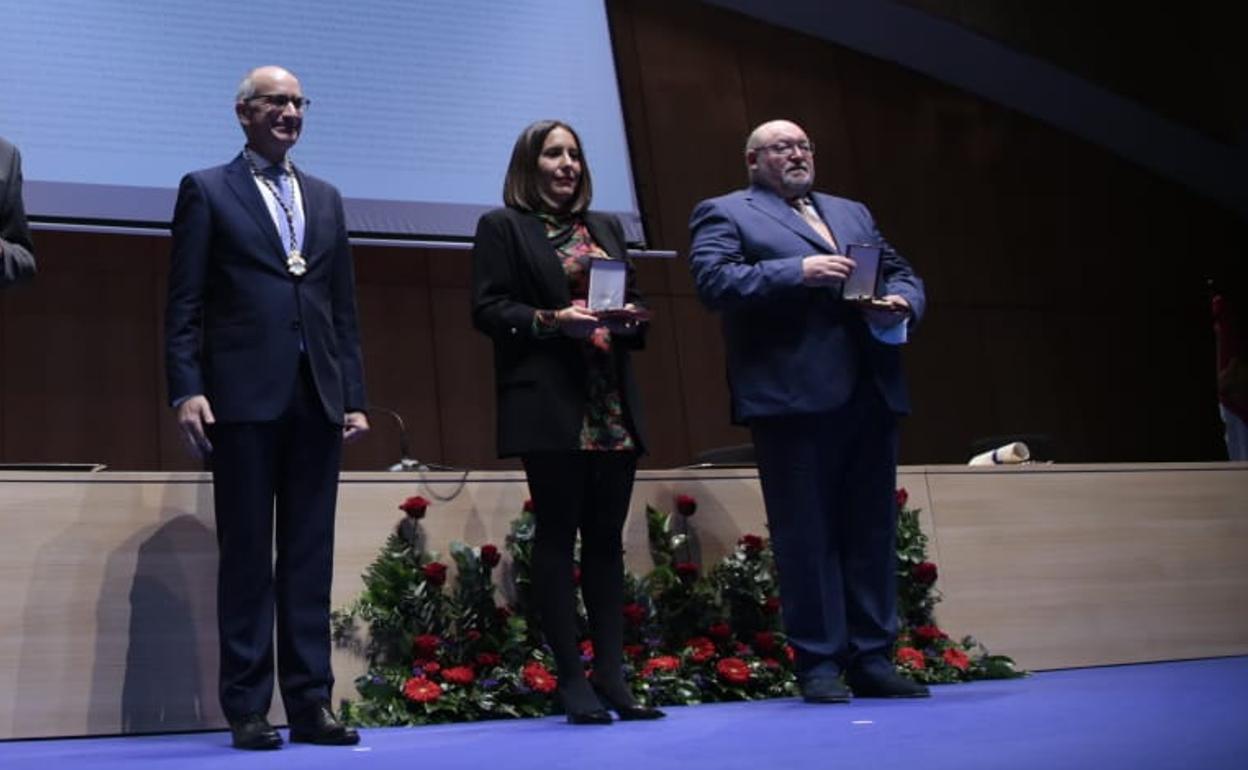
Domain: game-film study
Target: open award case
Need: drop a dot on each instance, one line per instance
(607, 279)
(863, 283)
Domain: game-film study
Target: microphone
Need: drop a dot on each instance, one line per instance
(405, 463)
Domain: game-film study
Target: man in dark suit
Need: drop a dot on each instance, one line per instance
(818, 380)
(17, 259)
(265, 372)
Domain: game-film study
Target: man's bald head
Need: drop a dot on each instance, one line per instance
(780, 157)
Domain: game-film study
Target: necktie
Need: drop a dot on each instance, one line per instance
(806, 209)
(289, 213)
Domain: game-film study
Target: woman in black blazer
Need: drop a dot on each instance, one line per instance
(567, 400)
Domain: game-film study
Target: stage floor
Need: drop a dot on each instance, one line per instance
(1181, 715)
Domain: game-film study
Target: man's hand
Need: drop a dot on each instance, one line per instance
(826, 269)
(354, 425)
(194, 416)
(887, 311)
(576, 321)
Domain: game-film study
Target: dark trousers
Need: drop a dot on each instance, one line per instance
(828, 484)
(589, 492)
(289, 466)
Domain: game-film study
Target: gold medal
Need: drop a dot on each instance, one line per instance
(295, 263)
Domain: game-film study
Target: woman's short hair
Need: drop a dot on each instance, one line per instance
(521, 189)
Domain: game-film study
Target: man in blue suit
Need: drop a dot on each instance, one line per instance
(265, 371)
(817, 378)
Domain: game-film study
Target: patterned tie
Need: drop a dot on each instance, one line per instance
(281, 182)
(806, 209)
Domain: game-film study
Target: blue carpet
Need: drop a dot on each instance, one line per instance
(1183, 715)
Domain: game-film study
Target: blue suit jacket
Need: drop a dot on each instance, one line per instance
(235, 315)
(793, 349)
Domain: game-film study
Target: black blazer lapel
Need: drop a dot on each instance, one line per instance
(238, 177)
(599, 227)
(544, 262)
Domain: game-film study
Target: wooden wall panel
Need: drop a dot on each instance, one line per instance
(80, 379)
(396, 332)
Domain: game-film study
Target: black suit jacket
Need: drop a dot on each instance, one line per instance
(236, 315)
(17, 261)
(541, 381)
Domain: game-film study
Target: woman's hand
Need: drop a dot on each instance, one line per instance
(625, 323)
(576, 322)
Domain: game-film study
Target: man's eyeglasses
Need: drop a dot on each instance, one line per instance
(279, 101)
(785, 148)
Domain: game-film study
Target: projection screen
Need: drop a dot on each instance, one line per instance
(415, 105)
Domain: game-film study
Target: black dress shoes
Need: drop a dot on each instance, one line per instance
(254, 733)
(882, 683)
(319, 726)
(592, 717)
(823, 688)
(627, 709)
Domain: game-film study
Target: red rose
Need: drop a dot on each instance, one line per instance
(634, 650)
(634, 613)
(733, 671)
(660, 663)
(421, 690)
(538, 678)
(458, 675)
(488, 659)
(473, 635)
(771, 663)
(956, 658)
(701, 649)
(415, 507)
(430, 667)
(771, 605)
(426, 645)
(720, 630)
(686, 505)
(911, 658)
(902, 497)
(790, 653)
(528, 506)
(587, 649)
(924, 573)
(435, 572)
(752, 544)
(503, 613)
(687, 570)
(490, 556)
(929, 634)
(765, 641)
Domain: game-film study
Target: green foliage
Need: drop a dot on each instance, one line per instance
(691, 635)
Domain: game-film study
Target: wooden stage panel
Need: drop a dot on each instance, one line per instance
(107, 615)
(1074, 566)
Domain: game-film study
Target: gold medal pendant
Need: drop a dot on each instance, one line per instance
(295, 263)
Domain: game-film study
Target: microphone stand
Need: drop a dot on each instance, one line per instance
(405, 463)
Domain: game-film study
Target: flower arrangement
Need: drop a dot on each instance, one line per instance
(692, 634)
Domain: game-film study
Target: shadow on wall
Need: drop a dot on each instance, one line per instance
(166, 576)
